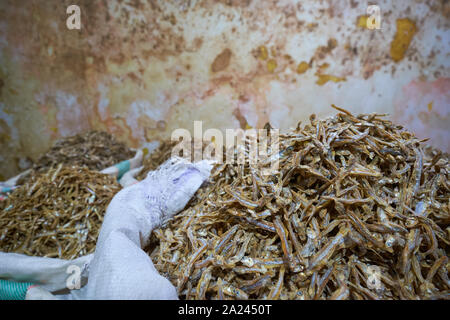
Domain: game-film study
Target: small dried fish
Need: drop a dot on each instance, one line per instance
(358, 209)
(50, 215)
(95, 150)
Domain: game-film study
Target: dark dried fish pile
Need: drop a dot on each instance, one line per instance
(56, 214)
(357, 211)
(95, 150)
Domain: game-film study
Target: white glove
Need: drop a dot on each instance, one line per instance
(120, 269)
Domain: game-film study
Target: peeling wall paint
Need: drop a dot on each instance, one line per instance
(140, 69)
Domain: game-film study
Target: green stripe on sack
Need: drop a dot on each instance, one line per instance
(11, 290)
(5, 190)
(123, 167)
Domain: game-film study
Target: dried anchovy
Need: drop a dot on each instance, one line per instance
(95, 150)
(56, 214)
(358, 209)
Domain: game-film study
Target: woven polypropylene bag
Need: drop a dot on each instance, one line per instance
(119, 268)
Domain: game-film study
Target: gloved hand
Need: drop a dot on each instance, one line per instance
(120, 269)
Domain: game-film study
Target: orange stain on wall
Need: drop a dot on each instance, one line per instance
(324, 78)
(406, 29)
(302, 67)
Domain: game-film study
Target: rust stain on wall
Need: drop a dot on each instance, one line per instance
(302, 67)
(406, 29)
(324, 78)
(222, 61)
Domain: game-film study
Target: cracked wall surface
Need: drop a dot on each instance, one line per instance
(140, 69)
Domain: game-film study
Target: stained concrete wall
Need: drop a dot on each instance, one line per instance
(140, 69)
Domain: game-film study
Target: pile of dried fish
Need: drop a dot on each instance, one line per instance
(356, 211)
(56, 214)
(95, 150)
